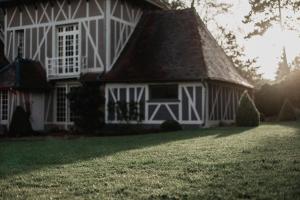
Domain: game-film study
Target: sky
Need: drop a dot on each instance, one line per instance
(267, 48)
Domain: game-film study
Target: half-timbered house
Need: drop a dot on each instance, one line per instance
(164, 60)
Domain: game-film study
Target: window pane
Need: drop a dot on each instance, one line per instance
(20, 42)
(4, 105)
(68, 42)
(158, 92)
(61, 104)
(72, 114)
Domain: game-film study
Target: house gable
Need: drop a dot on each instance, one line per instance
(103, 28)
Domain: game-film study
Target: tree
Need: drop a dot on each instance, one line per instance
(269, 99)
(264, 14)
(247, 113)
(287, 112)
(267, 13)
(87, 103)
(207, 9)
(177, 4)
(296, 63)
(283, 67)
(247, 67)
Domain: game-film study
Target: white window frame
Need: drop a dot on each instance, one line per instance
(67, 87)
(57, 107)
(69, 63)
(2, 103)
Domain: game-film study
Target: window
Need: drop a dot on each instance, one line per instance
(61, 98)
(20, 42)
(63, 111)
(68, 48)
(163, 92)
(4, 105)
(72, 114)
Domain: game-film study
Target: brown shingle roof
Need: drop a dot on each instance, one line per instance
(173, 46)
(32, 76)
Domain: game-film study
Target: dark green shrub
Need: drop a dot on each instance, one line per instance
(297, 113)
(129, 111)
(20, 124)
(87, 105)
(269, 99)
(170, 125)
(262, 117)
(287, 112)
(3, 130)
(247, 114)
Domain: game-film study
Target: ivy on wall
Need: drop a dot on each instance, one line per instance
(127, 111)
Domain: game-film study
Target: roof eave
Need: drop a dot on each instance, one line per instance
(176, 80)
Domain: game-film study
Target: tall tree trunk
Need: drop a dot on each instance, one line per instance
(193, 4)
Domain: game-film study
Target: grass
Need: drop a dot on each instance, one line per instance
(220, 163)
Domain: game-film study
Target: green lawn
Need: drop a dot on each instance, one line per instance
(220, 163)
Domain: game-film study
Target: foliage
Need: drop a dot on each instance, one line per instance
(269, 98)
(283, 67)
(127, 111)
(247, 114)
(20, 124)
(290, 87)
(247, 67)
(170, 125)
(177, 4)
(87, 104)
(261, 163)
(297, 111)
(296, 63)
(207, 9)
(287, 112)
(265, 14)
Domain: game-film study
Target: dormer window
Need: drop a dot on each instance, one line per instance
(20, 42)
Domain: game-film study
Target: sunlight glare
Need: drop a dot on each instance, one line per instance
(268, 48)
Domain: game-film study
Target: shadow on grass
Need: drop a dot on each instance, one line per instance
(18, 157)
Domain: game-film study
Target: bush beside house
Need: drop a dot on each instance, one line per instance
(20, 124)
(247, 113)
(87, 105)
